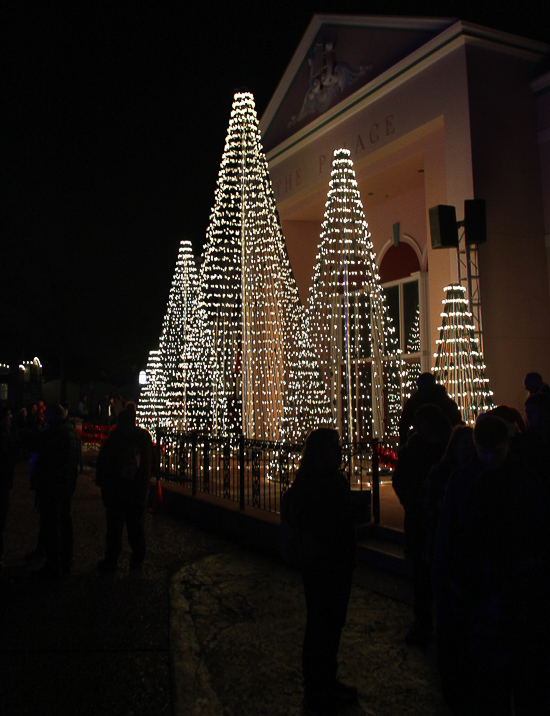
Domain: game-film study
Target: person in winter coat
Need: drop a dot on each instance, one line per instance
(492, 581)
(424, 449)
(319, 507)
(56, 472)
(8, 458)
(123, 472)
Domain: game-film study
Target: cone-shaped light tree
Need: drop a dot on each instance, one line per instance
(248, 306)
(163, 401)
(459, 364)
(347, 312)
(152, 395)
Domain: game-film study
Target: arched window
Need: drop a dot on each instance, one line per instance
(398, 262)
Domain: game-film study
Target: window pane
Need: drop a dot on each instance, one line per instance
(392, 302)
(411, 317)
(412, 371)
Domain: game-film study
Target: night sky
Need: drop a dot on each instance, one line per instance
(116, 119)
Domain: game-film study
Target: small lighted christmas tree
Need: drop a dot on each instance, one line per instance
(248, 302)
(347, 312)
(150, 404)
(163, 402)
(176, 326)
(459, 364)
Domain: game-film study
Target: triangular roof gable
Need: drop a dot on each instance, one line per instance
(337, 56)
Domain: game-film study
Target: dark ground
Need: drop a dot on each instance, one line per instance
(208, 627)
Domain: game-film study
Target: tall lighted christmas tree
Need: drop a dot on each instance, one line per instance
(164, 400)
(458, 362)
(347, 312)
(248, 303)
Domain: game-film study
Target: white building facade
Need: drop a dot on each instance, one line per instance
(434, 112)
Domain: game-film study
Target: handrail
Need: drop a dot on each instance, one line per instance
(253, 473)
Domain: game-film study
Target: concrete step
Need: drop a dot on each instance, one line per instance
(378, 547)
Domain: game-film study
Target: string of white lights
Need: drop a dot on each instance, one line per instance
(163, 401)
(458, 362)
(350, 328)
(247, 317)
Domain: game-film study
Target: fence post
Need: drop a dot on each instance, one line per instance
(375, 483)
(194, 463)
(206, 464)
(241, 471)
(158, 444)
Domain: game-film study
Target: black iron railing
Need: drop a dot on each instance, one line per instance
(254, 473)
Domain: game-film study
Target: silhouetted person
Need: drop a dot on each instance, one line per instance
(123, 472)
(83, 406)
(8, 459)
(318, 506)
(492, 579)
(30, 442)
(55, 478)
(511, 417)
(117, 405)
(424, 448)
(19, 427)
(534, 383)
(460, 449)
(429, 392)
(532, 447)
(537, 415)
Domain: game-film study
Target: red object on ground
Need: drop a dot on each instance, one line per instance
(157, 501)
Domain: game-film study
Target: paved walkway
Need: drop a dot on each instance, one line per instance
(208, 627)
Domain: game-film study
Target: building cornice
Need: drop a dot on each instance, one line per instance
(458, 34)
(358, 21)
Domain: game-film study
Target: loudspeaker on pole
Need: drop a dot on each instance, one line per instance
(443, 227)
(475, 221)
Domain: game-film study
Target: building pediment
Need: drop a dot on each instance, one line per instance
(337, 56)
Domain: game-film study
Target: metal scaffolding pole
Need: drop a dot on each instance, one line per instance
(468, 274)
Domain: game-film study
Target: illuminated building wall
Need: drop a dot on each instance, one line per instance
(432, 111)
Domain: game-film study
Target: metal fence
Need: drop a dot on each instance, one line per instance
(250, 472)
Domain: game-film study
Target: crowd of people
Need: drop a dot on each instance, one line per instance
(477, 508)
(47, 438)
